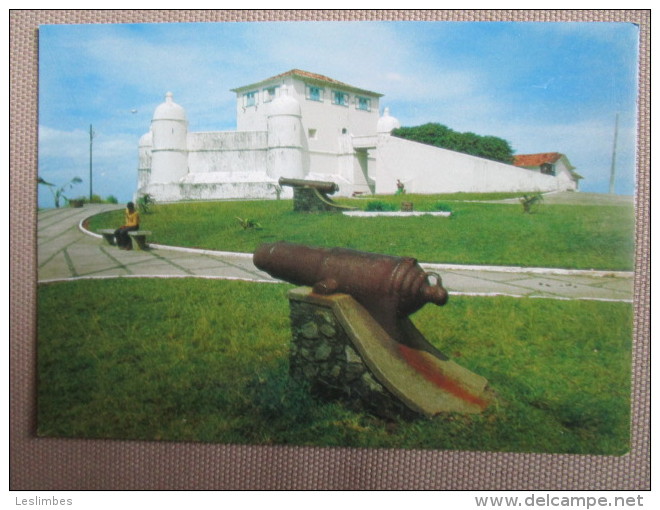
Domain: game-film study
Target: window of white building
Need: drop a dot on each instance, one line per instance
(548, 169)
(363, 103)
(314, 93)
(312, 133)
(270, 93)
(339, 98)
(250, 98)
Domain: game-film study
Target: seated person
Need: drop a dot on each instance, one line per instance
(131, 223)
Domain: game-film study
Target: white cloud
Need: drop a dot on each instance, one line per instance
(63, 144)
(64, 155)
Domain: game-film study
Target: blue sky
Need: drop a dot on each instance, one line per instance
(543, 87)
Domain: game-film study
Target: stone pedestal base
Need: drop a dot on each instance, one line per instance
(344, 355)
(308, 199)
(323, 355)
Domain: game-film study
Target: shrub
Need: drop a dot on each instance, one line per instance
(247, 223)
(379, 205)
(441, 206)
(531, 202)
(58, 192)
(144, 203)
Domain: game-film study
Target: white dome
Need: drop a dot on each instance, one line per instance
(169, 110)
(285, 105)
(387, 123)
(146, 140)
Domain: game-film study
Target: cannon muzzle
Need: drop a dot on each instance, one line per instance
(389, 287)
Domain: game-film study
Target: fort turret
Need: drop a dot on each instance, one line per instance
(285, 138)
(169, 154)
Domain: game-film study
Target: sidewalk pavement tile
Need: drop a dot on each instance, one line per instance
(455, 282)
(56, 267)
(550, 285)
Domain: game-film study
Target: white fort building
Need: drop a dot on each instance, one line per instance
(303, 125)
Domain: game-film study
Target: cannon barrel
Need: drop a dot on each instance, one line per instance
(389, 287)
(322, 186)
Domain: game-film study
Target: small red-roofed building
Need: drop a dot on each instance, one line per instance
(551, 163)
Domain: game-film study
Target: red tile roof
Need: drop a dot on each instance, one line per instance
(310, 76)
(307, 74)
(534, 160)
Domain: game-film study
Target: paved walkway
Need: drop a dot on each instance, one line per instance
(67, 251)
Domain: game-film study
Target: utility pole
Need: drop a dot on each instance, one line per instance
(613, 167)
(91, 137)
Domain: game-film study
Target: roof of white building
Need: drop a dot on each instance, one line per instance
(310, 78)
(536, 160)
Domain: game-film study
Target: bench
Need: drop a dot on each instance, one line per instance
(139, 238)
(108, 235)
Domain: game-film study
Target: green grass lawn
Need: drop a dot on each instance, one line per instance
(562, 236)
(207, 360)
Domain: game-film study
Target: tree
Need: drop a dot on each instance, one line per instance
(496, 149)
(488, 147)
(59, 192)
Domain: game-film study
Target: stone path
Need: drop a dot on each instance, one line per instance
(66, 251)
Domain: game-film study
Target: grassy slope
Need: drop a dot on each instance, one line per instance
(583, 237)
(192, 360)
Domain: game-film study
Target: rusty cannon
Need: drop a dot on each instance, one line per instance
(389, 287)
(312, 196)
(328, 187)
(353, 340)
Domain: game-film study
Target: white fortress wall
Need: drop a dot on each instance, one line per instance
(144, 161)
(427, 169)
(323, 163)
(345, 165)
(565, 178)
(174, 192)
(364, 166)
(565, 182)
(228, 152)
